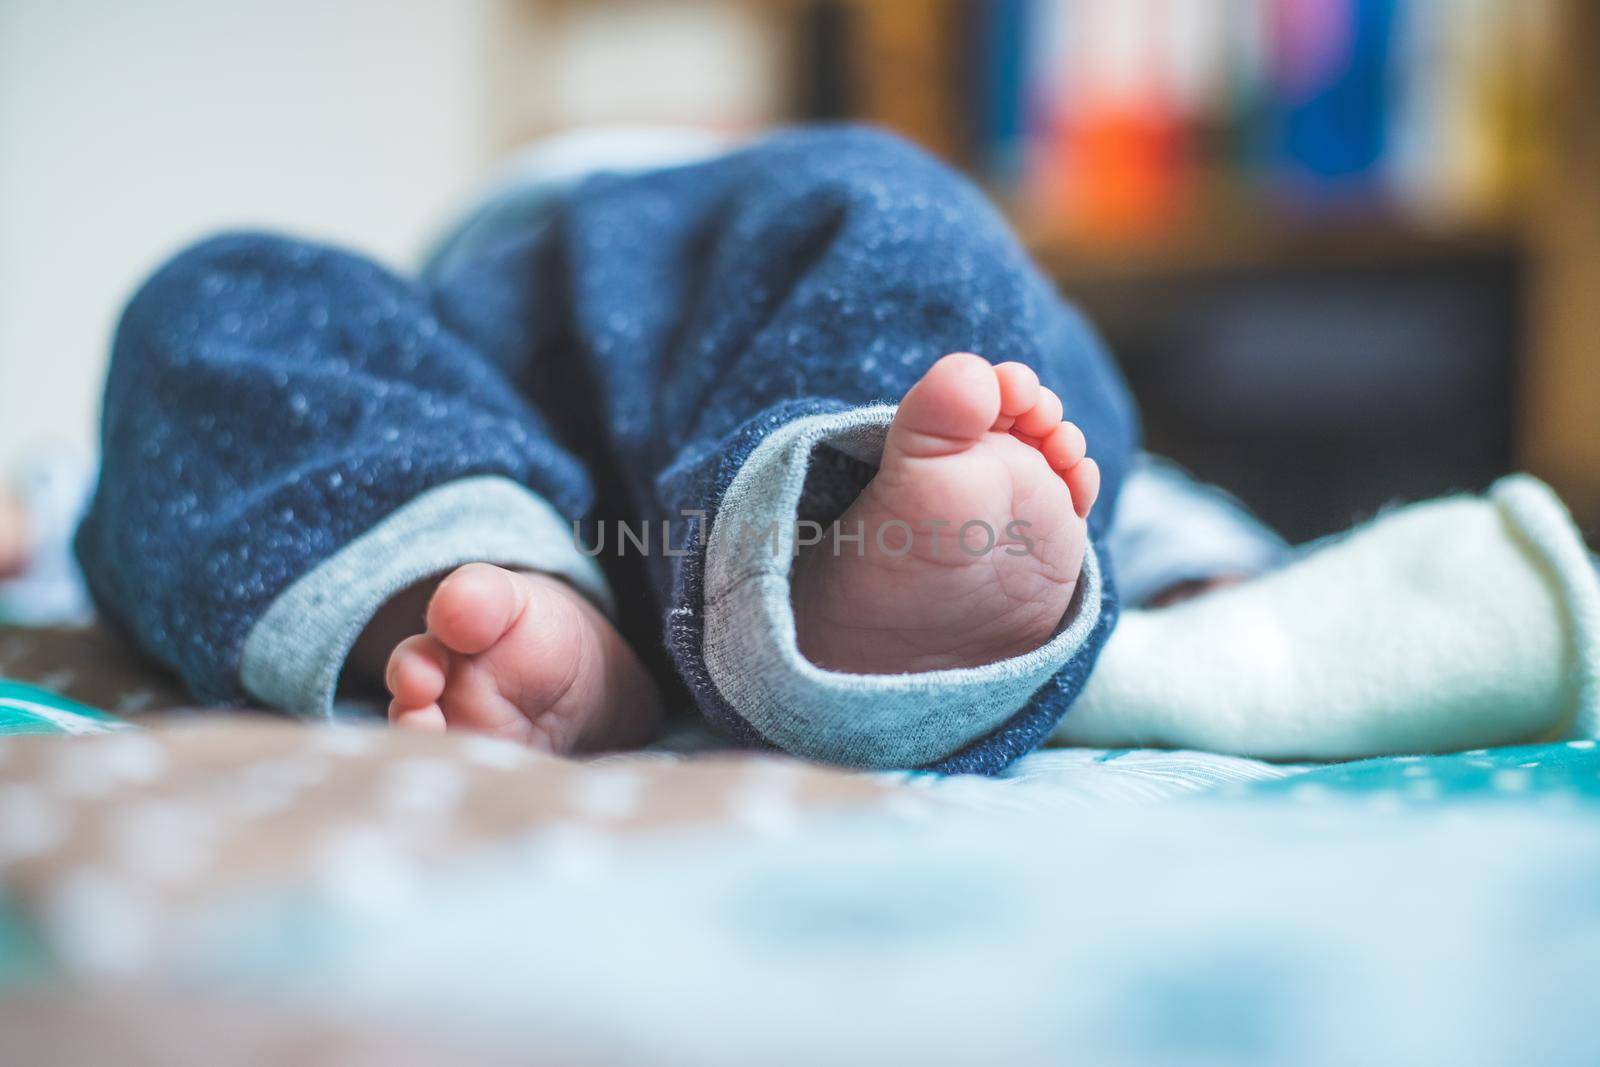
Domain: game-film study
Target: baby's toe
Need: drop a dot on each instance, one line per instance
(1019, 388)
(1064, 446)
(427, 719)
(1043, 417)
(416, 672)
(475, 606)
(950, 408)
(1084, 482)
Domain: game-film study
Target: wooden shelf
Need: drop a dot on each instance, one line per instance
(1252, 248)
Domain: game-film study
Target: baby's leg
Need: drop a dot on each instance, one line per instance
(795, 290)
(292, 438)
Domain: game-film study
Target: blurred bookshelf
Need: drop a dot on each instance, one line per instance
(1387, 210)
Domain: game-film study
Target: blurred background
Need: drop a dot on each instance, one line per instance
(1348, 251)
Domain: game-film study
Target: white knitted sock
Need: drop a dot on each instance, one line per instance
(1452, 624)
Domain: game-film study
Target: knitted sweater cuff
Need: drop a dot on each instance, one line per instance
(751, 652)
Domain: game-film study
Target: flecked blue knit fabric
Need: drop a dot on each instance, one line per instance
(269, 400)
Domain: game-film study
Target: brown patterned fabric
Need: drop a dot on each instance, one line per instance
(109, 842)
(91, 665)
(133, 1026)
(186, 812)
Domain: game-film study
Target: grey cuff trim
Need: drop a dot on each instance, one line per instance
(754, 660)
(293, 655)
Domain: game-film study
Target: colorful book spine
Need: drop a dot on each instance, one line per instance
(999, 29)
(1127, 119)
(1332, 89)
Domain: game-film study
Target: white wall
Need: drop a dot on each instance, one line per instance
(127, 129)
(717, 63)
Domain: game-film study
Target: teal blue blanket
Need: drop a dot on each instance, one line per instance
(1092, 907)
(1411, 910)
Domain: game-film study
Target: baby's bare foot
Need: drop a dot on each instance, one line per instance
(521, 656)
(972, 445)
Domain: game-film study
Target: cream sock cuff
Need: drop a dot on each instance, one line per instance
(1451, 624)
